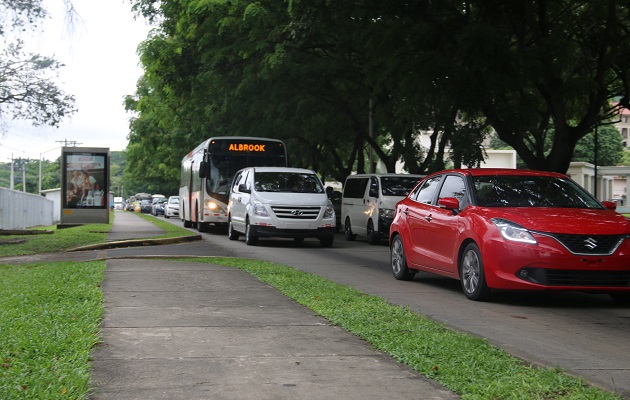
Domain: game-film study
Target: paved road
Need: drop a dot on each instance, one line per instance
(583, 334)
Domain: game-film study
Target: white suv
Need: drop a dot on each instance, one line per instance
(280, 202)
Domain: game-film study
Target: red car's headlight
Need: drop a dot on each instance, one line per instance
(512, 231)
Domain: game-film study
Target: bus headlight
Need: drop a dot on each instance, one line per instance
(214, 207)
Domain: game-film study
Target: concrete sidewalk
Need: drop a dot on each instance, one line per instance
(185, 330)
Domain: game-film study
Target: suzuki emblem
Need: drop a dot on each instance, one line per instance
(590, 243)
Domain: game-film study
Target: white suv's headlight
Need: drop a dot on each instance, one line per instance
(259, 209)
(330, 211)
(512, 231)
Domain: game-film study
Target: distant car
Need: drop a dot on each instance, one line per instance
(157, 206)
(368, 203)
(500, 229)
(171, 207)
(144, 206)
(119, 203)
(129, 205)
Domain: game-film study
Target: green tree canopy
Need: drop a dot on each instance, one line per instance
(338, 79)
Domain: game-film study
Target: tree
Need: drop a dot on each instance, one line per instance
(547, 70)
(28, 90)
(610, 147)
(310, 73)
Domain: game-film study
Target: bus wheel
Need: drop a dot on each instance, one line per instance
(187, 223)
(201, 226)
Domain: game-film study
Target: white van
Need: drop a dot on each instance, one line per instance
(369, 201)
(118, 203)
(280, 202)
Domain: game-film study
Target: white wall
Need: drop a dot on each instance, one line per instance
(23, 210)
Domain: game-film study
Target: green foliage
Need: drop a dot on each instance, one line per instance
(610, 150)
(338, 79)
(28, 82)
(49, 321)
(609, 147)
(50, 174)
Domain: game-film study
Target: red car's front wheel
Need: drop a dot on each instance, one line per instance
(472, 275)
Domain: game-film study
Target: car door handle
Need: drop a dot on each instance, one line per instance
(428, 218)
(405, 211)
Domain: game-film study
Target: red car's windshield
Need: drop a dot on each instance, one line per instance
(531, 191)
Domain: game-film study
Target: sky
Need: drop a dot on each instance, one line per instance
(101, 68)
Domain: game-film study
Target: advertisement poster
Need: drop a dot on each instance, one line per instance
(85, 180)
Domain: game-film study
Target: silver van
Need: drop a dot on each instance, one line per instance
(280, 202)
(369, 201)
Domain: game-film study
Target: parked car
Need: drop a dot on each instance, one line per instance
(280, 202)
(511, 230)
(144, 206)
(171, 207)
(368, 202)
(129, 205)
(157, 205)
(119, 203)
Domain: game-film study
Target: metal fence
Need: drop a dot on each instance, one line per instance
(23, 210)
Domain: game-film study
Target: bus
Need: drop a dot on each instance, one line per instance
(208, 170)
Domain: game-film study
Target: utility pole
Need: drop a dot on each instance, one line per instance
(68, 143)
(11, 184)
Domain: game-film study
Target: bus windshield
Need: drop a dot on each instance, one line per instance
(223, 168)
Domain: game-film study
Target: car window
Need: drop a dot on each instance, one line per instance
(235, 182)
(240, 179)
(293, 182)
(355, 188)
(373, 187)
(454, 186)
(426, 191)
(398, 185)
(531, 191)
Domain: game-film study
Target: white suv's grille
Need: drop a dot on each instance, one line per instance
(296, 212)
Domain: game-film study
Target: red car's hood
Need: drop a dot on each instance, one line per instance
(565, 220)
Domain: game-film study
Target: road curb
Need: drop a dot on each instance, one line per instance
(137, 243)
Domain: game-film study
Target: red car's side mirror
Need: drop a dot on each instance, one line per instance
(450, 203)
(610, 205)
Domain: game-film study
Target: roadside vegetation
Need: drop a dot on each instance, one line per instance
(49, 316)
(60, 240)
(49, 321)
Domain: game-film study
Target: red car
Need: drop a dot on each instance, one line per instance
(511, 230)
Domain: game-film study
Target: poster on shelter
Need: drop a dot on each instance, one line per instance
(85, 180)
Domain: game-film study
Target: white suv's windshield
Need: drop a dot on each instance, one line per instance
(287, 182)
